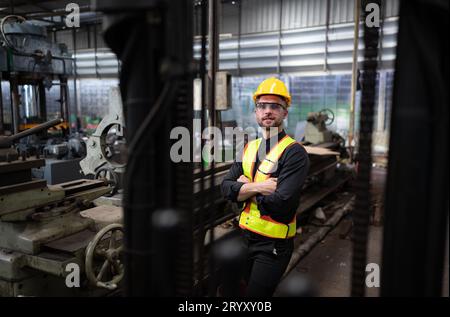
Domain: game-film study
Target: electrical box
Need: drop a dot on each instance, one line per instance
(223, 92)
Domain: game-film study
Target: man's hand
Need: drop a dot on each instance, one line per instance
(250, 189)
(243, 179)
(268, 186)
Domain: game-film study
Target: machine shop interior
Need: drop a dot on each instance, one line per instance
(120, 121)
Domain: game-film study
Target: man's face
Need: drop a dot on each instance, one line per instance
(267, 114)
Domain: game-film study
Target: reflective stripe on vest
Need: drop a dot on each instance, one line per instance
(251, 218)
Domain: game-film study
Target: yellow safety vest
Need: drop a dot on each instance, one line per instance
(251, 218)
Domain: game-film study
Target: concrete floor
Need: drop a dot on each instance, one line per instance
(328, 265)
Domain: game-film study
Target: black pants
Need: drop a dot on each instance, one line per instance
(267, 260)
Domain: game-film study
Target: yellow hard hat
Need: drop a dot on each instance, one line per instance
(273, 86)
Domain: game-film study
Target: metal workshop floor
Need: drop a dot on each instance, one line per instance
(328, 265)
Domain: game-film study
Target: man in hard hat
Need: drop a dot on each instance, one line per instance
(266, 183)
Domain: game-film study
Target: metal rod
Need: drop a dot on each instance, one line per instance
(42, 101)
(213, 66)
(88, 36)
(15, 102)
(213, 36)
(361, 214)
(41, 127)
(380, 127)
(45, 14)
(239, 38)
(354, 72)
(279, 37)
(95, 51)
(64, 100)
(204, 102)
(382, 17)
(2, 127)
(75, 74)
(327, 28)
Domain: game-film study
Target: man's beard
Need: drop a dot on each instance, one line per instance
(275, 123)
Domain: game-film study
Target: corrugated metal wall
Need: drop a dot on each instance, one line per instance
(264, 15)
(302, 50)
(302, 39)
(88, 62)
(84, 36)
(102, 63)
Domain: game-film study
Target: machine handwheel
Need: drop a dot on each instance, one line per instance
(111, 177)
(330, 115)
(105, 248)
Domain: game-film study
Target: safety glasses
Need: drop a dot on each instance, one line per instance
(274, 106)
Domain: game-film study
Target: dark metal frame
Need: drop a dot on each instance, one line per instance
(153, 40)
(417, 200)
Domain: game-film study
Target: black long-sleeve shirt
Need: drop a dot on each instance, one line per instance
(291, 173)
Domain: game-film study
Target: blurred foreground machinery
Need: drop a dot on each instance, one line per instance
(52, 235)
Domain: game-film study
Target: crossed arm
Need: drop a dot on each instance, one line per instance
(238, 188)
(275, 195)
(250, 190)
